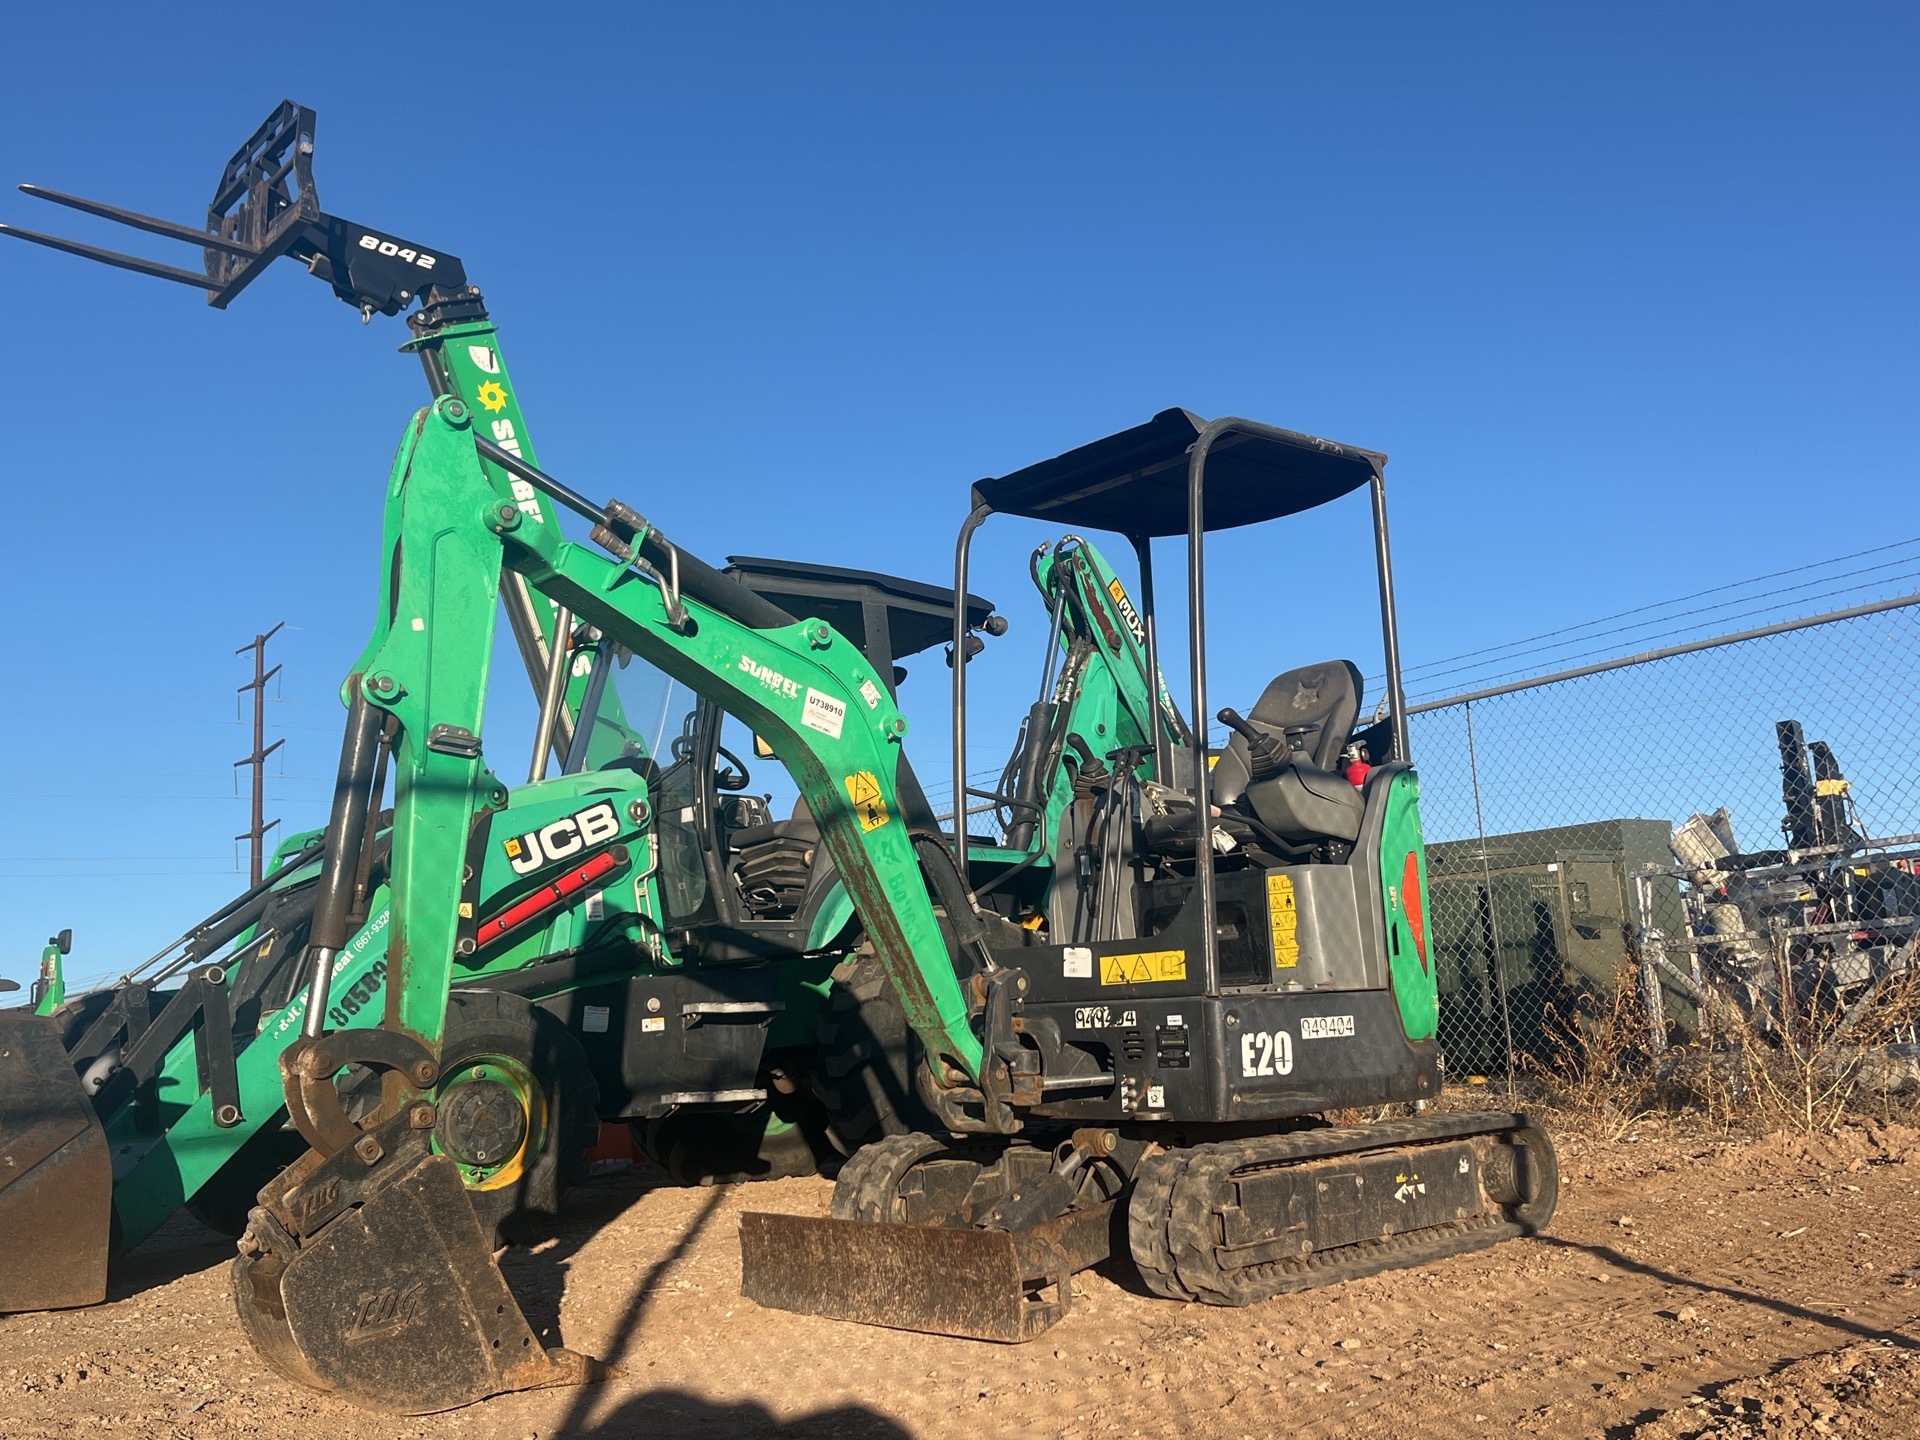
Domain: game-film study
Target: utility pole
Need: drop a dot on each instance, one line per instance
(261, 750)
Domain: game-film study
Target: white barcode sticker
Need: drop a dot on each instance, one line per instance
(824, 713)
(1076, 963)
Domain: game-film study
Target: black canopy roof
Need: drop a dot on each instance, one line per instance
(1135, 482)
(916, 615)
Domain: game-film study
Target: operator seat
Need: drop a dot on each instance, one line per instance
(1311, 710)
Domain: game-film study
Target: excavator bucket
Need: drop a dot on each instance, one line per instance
(56, 1177)
(1008, 1285)
(366, 1275)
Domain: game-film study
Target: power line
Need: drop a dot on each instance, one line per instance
(1559, 659)
(1682, 599)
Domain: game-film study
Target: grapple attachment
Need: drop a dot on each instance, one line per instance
(56, 1177)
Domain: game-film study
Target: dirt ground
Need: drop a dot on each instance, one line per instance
(1691, 1286)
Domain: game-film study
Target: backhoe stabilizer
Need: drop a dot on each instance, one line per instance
(56, 1176)
(366, 1275)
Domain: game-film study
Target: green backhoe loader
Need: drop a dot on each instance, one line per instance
(803, 1055)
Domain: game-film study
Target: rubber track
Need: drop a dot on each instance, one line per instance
(1171, 1228)
(869, 1181)
(1148, 1213)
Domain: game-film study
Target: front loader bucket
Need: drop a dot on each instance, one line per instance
(366, 1275)
(56, 1176)
(1009, 1285)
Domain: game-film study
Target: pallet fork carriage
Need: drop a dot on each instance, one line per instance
(1127, 1016)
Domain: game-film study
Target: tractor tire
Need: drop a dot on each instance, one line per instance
(222, 1203)
(512, 1077)
(512, 1080)
(864, 1077)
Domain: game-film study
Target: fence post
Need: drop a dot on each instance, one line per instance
(1493, 910)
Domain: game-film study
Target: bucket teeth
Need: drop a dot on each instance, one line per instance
(56, 1175)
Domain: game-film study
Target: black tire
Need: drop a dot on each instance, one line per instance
(868, 1052)
(222, 1203)
(504, 1026)
(488, 1023)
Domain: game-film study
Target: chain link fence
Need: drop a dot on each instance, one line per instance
(1732, 825)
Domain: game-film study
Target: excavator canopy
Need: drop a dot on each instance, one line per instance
(1135, 482)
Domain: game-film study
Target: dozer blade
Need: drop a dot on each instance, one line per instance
(1007, 1285)
(366, 1275)
(56, 1176)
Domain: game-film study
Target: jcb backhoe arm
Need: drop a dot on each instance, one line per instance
(364, 1272)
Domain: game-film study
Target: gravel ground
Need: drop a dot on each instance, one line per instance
(1691, 1286)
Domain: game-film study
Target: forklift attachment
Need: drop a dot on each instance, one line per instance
(56, 1177)
(366, 1275)
(1009, 1285)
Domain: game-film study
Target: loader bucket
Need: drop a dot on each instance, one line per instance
(56, 1176)
(1009, 1285)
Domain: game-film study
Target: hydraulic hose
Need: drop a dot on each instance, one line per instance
(340, 862)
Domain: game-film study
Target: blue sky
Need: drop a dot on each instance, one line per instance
(1627, 295)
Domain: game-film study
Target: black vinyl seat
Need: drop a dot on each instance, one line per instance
(777, 861)
(1311, 711)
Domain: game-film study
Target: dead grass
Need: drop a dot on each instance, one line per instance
(1810, 1071)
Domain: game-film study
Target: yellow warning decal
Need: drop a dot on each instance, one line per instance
(1118, 594)
(512, 847)
(1284, 915)
(868, 802)
(1151, 968)
(1827, 788)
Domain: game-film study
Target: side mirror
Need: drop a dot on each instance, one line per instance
(7, 987)
(65, 941)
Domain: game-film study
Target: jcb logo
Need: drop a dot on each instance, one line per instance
(581, 831)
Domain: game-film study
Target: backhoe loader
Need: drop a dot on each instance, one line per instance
(179, 1095)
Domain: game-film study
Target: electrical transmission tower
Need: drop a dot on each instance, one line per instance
(261, 750)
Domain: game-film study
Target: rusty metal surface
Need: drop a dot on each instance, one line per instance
(981, 1284)
(393, 1300)
(56, 1176)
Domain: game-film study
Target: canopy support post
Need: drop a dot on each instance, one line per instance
(962, 552)
(1389, 625)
